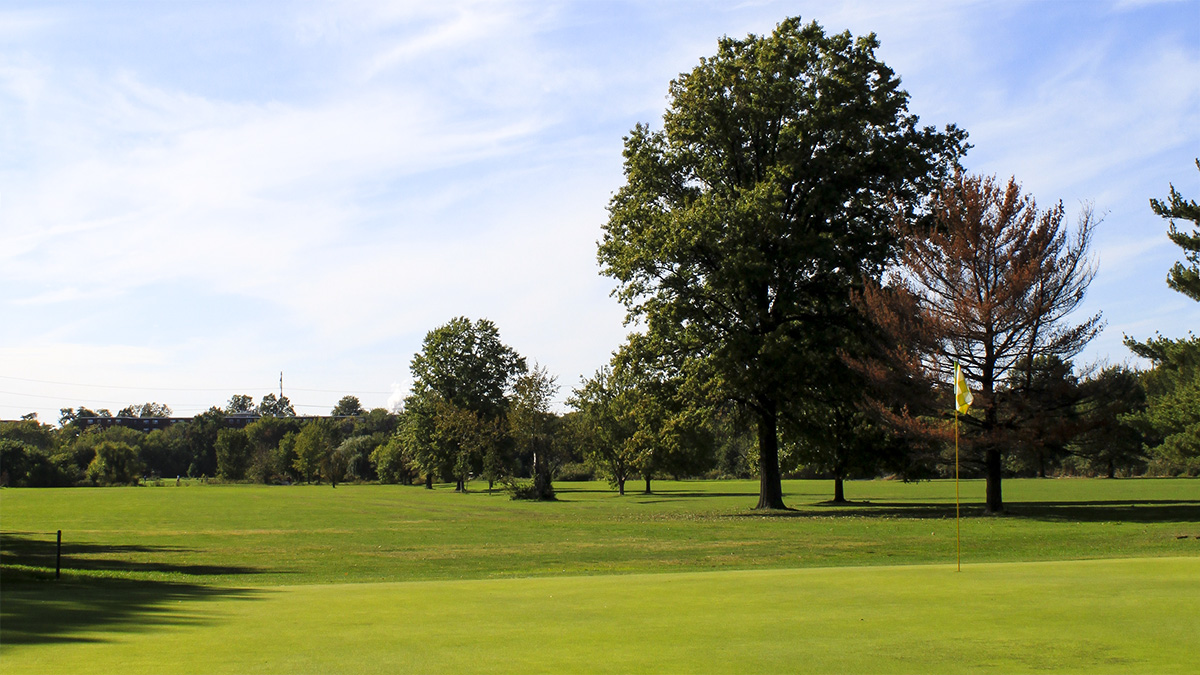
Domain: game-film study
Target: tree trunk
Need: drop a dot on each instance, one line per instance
(428, 481)
(995, 502)
(839, 491)
(1112, 468)
(647, 484)
(621, 486)
(770, 483)
(460, 485)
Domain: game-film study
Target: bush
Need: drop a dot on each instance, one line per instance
(528, 490)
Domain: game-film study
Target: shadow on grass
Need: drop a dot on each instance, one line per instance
(41, 611)
(1133, 511)
(39, 552)
(83, 607)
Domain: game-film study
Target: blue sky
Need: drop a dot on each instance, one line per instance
(196, 196)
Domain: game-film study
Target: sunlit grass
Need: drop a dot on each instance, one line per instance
(258, 535)
(1126, 616)
(374, 578)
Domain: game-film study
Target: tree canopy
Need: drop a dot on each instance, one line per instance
(745, 224)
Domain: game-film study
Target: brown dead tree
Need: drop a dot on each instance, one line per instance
(988, 282)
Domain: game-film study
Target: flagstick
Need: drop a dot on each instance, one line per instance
(957, 515)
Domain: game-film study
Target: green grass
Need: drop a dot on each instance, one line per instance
(1126, 616)
(375, 578)
(256, 535)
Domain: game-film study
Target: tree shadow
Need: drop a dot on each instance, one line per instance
(85, 607)
(41, 612)
(36, 552)
(1133, 511)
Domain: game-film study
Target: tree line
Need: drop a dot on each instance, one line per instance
(802, 266)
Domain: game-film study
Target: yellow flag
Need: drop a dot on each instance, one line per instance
(962, 395)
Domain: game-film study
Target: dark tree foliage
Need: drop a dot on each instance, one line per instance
(1045, 400)
(1109, 443)
(745, 224)
(1171, 419)
(200, 437)
(1185, 279)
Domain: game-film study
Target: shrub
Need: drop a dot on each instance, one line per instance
(529, 490)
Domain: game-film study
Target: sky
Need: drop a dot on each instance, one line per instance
(196, 197)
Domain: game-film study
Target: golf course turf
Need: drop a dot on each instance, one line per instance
(1081, 576)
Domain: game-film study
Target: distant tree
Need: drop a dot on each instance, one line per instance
(746, 224)
(989, 285)
(1044, 398)
(284, 457)
(1186, 280)
(67, 415)
(462, 366)
(26, 457)
(1171, 418)
(276, 407)
(533, 426)
(355, 453)
(240, 404)
(315, 456)
(636, 419)
(200, 437)
(164, 451)
(29, 417)
(605, 425)
(150, 409)
(115, 464)
(40, 436)
(391, 464)
(265, 434)
(464, 438)
(234, 453)
(376, 421)
(348, 406)
(1108, 443)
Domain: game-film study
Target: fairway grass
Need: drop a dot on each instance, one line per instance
(1112, 616)
(253, 535)
(1079, 576)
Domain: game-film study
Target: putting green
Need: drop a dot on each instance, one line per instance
(1098, 616)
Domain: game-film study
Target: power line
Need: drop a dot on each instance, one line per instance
(185, 389)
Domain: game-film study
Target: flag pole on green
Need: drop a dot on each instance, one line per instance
(962, 403)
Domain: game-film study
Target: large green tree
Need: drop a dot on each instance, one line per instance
(462, 366)
(745, 224)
